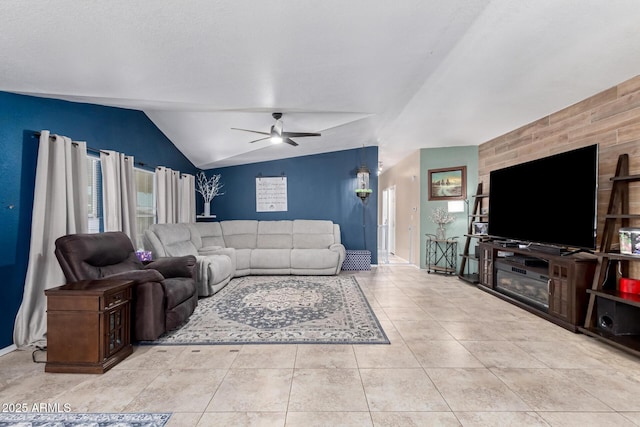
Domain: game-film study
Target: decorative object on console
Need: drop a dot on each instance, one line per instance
(630, 240)
(480, 228)
(208, 188)
(448, 183)
(629, 286)
(441, 218)
(144, 255)
(282, 310)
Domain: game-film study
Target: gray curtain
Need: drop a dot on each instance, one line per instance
(59, 208)
(119, 193)
(175, 196)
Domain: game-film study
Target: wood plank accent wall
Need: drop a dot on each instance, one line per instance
(610, 118)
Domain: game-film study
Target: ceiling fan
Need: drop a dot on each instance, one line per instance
(277, 135)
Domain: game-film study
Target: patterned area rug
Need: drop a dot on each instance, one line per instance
(70, 419)
(282, 309)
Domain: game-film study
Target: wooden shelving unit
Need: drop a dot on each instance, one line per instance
(474, 215)
(603, 284)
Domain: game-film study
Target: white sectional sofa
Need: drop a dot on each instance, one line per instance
(228, 249)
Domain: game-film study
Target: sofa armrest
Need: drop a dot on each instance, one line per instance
(209, 250)
(339, 247)
(182, 266)
(139, 276)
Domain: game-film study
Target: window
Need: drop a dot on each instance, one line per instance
(145, 210)
(94, 175)
(145, 199)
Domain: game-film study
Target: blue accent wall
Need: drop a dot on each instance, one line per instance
(320, 186)
(127, 131)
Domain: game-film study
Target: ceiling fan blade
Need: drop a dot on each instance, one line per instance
(252, 131)
(261, 139)
(290, 141)
(298, 134)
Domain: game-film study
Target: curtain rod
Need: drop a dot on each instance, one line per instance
(98, 151)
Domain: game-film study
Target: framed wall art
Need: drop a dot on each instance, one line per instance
(448, 183)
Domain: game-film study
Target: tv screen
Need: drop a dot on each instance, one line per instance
(549, 201)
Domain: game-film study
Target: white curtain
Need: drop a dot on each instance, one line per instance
(187, 194)
(175, 196)
(59, 208)
(119, 193)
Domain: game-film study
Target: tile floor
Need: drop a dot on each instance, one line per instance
(458, 356)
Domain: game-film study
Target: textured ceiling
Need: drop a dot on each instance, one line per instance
(402, 75)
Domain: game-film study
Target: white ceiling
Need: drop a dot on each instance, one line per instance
(403, 74)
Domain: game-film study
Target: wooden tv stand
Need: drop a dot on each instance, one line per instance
(551, 286)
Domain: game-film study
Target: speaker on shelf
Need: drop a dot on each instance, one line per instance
(617, 318)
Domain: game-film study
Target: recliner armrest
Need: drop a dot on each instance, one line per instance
(182, 266)
(140, 276)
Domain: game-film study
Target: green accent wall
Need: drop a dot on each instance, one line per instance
(437, 158)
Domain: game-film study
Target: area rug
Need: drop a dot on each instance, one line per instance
(70, 419)
(283, 310)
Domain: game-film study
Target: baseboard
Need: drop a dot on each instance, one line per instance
(8, 350)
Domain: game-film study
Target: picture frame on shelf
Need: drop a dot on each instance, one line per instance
(480, 228)
(448, 183)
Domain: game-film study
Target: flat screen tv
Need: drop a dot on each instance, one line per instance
(550, 201)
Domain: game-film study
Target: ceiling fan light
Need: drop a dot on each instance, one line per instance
(276, 139)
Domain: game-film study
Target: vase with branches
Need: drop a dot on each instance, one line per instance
(208, 188)
(441, 217)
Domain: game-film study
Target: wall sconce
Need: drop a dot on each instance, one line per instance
(362, 178)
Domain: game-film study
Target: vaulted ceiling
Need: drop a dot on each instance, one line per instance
(403, 75)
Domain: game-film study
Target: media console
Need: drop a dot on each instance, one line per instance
(552, 286)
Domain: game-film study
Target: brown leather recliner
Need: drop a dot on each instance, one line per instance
(164, 294)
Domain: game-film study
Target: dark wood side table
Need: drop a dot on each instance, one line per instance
(88, 326)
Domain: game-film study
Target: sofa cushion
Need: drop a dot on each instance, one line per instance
(312, 234)
(206, 234)
(314, 258)
(240, 234)
(275, 235)
(176, 239)
(270, 258)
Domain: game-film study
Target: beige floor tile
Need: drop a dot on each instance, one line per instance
(414, 419)
(475, 390)
(109, 392)
(206, 357)
(447, 314)
(492, 419)
(40, 387)
(421, 331)
(634, 417)
(560, 355)
(472, 331)
(319, 390)
(549, 390)
(406, 313)
(184, 419)
(444, 354)
(385, 356)
(325, 356)
(277, 356)
(253, 390)
(324, 419)
(398, 390)
(501, 354)
(243, 419)
(179, 390)
(151, 357)
(611, 387)
(585, 419)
